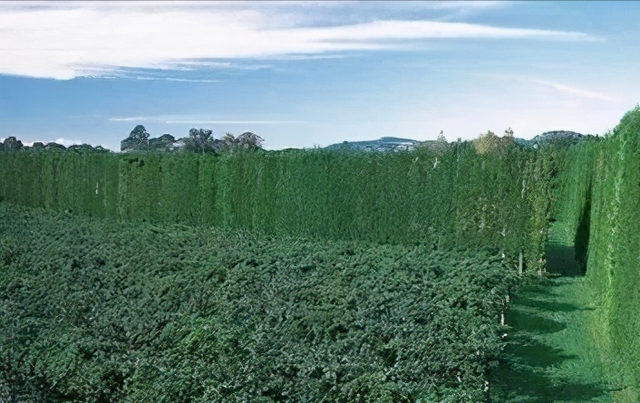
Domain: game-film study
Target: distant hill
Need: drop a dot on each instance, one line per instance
(382, 144)
(561, 137)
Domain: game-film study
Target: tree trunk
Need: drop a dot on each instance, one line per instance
(520, 263)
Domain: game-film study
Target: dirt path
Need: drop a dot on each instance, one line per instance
(551, 356)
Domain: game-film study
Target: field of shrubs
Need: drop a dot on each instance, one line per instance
(95, 310)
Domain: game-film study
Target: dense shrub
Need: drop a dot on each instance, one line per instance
(94, 310)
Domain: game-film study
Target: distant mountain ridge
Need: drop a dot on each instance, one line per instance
(561, 137)
(382, 144)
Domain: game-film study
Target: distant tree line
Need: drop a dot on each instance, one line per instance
(489, 142)
(198, 141)
(201, 141)
(13, 144)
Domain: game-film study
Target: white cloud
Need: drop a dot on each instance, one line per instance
(68, 40)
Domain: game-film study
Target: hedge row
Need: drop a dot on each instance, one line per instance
(599, 198)
(444, 198)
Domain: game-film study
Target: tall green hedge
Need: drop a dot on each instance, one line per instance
(446, 197)
(599, 198)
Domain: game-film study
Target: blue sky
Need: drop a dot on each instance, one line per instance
(305, 74)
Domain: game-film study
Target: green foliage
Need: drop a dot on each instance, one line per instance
(98, 311)
(200, 141)
(163, 143)
(245, 141)
(489, 142)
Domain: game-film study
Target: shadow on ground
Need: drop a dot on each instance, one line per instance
(561, 260)
(526, 371)
(551, 306)
(522, 373)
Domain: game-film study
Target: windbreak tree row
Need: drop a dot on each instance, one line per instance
(452, 196)
(599, 198)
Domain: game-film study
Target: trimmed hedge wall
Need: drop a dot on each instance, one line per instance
(442, 198)
(599, 198)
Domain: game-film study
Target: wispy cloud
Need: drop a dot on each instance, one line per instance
(567, 89)
(67, 142)
(191, 65)
(68, 40)
(186, 119)
(310, 57)
(231, 122)
(574, 90)
(151, 78)
(128, 119)
(467, 4)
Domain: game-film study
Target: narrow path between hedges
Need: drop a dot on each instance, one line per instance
(551, 356)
